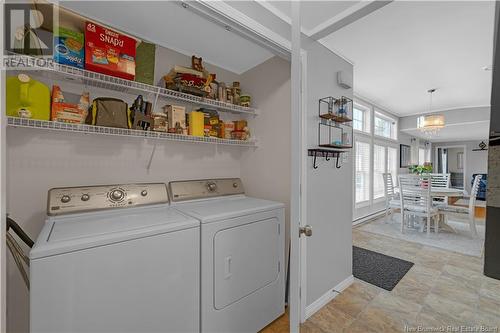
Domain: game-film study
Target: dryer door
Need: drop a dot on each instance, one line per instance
(246, 259)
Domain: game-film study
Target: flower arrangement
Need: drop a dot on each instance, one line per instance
(420, 169)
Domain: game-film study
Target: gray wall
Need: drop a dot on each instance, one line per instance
(475, 161)
(328, 190)
(265, 171)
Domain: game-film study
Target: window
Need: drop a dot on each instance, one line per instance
(424, 156)
(379, 163)
(361, 118)
(385, 126)
(421, 156)
(362, 177)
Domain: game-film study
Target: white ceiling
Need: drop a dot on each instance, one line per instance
(168, 24)
(315, 15)
(456, 132)
(403, 49)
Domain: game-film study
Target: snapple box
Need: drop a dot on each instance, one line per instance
(109, 52)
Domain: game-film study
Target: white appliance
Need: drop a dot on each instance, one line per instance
(242, 254)
(115, 259)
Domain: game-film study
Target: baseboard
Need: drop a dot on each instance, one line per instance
(369, 217)
(328, 296)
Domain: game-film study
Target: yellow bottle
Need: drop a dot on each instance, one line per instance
(196, 123)
(27, 98)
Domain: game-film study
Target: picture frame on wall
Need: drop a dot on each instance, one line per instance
(404, 156)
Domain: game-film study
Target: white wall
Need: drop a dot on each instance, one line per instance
(328, 190)
(475, 161)
(39, 160)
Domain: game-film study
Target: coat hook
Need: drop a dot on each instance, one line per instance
(327, 156)
(314, 161)
(337, 163)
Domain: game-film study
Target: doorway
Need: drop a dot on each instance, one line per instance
(452, 160)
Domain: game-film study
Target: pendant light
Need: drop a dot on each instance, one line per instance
(430, 124)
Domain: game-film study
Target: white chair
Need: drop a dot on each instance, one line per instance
(416, 200)
(466, 214)
(442, 180)
(392, 201)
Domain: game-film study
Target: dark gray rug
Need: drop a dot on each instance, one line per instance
(377, 268)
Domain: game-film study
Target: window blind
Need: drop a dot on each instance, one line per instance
(392, 163)
(362, 152)
(379, 163)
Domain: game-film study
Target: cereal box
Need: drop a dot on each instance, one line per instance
(68, 47)
(109, 52)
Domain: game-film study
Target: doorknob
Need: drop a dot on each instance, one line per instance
(306, 230)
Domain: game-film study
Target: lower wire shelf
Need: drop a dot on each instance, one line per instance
(101, 130)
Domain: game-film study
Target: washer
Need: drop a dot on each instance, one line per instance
(115, 258)
(242, 254)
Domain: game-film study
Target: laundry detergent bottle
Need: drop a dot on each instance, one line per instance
(27, 98)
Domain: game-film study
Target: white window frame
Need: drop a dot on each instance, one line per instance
(367, 117)
(383, 115)
(372, 139)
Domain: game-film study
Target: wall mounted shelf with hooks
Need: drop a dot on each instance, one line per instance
(327, 154)
(335, 134)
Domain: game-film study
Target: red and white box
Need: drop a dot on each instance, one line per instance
(109, 52)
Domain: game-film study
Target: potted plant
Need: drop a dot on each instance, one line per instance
(420, 169)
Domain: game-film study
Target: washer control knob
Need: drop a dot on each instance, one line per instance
(85, 197)
(117, 195)
(235, 185)
(65, 198)
(212, 187)
(144, 193)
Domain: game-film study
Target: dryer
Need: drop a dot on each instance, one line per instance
(115, 258)
(242, 253)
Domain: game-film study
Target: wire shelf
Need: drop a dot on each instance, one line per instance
(54, 70)
(91, 129)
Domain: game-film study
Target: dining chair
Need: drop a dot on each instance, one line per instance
(461, 213)
(416, 200)
(442, 180)
(392, 201)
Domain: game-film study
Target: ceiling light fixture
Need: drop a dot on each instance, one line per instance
(432, 123)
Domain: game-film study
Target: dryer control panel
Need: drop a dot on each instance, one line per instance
(67, 200)
(205, 188)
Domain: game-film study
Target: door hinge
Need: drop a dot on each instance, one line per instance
(279, 266)
(300, 292)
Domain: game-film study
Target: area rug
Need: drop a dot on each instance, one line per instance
(378, 269)
(458, 240)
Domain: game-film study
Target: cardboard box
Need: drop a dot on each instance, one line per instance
(175, 114)
(109, 52)
(145, 63)
(69, 47)
(63, 111)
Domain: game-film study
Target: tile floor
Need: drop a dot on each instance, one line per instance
(442, 290)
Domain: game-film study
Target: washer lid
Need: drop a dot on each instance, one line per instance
(80, 231)
(226, 207)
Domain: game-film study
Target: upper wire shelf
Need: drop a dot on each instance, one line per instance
(53, 70)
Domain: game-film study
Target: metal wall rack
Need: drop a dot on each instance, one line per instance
(335, 133)
(91, 129)
(48, 68)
